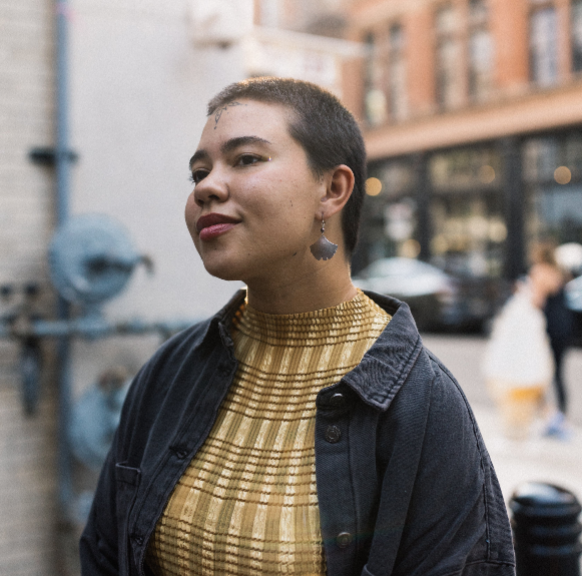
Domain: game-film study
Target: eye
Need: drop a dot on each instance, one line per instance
(248, 160)
(198, 175)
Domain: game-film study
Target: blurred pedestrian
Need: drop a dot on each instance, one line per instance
(548, 280)
(304, 428)
(518, 364)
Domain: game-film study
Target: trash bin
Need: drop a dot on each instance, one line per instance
(546, 530)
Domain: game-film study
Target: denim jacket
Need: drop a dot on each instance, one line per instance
(405, 484)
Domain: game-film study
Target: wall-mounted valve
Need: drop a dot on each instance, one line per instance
(91, 260)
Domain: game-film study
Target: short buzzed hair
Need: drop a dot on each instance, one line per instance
(323, 127)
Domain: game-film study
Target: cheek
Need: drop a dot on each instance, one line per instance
(191, 213)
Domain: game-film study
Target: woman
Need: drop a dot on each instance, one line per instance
(303, 429)
(547, 280)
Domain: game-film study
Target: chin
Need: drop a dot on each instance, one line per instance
(222, 269)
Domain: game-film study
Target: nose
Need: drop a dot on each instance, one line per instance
(211, 188)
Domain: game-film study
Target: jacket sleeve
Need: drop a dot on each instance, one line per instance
(104, 542)
(457, 521)
(98, 546)
(441, 510)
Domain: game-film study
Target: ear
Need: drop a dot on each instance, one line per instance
(339, 187)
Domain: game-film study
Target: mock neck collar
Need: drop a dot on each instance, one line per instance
(385, 366)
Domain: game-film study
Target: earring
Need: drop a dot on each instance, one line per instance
(322, 248)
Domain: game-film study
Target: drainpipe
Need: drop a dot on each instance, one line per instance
(62, 169)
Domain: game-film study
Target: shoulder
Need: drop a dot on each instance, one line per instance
(154, 380)
(174, 352)
(445, 386)
(455, 483)
(189, 349)
(433, 398)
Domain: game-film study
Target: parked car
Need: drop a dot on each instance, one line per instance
(438, 301)
(430, 292)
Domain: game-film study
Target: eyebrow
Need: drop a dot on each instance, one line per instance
(229, 146)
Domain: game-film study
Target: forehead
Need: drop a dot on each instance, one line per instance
(244, 117)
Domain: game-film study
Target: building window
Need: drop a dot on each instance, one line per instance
(543, 46)
(480, 51)
(576, 18)
(397, 74)
(375, 104)
(448, 58)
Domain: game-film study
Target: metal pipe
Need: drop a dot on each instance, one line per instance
(62, 168)
(91, 327)
(62, 161)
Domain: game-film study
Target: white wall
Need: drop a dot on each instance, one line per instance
(139, 89)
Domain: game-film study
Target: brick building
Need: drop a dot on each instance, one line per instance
(473, 122)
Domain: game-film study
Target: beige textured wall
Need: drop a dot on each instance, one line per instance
(26, 107)
(27, 446)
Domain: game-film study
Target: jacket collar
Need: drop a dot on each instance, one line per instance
(220, 322)
(385, 366)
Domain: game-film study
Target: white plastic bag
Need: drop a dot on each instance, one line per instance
(518, 353)
(518, 364)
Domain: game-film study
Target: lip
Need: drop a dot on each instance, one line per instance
(214, 225)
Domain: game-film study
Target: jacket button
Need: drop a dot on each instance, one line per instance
(332, 434)
(181, 453)
(138, 539)
(344, 539)
(338, 400)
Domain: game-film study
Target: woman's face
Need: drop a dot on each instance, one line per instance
(256, 203)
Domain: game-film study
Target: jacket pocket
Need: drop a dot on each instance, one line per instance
(127, 481)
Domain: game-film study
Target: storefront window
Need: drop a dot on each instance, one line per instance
(576, 18)
(555, 211)
(543, 46)
(553, 175)
(465, 169)
(397, 73)
(468, 234)
(448, 58)
(390, 212)
(466, 212)
(543, 156)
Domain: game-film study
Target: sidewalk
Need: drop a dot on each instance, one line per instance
(536, 459)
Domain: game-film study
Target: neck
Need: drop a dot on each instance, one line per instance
(327, 285)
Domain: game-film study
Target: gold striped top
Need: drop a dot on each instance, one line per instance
(247, 503)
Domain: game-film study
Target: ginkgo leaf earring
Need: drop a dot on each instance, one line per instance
(322, 248)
